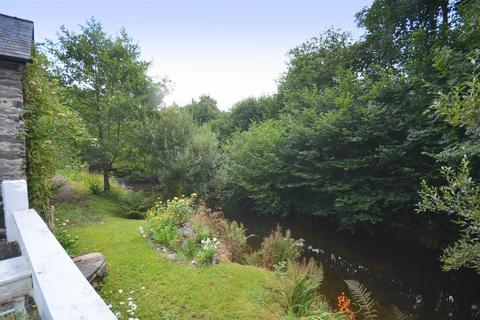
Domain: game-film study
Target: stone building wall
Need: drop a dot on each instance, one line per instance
(12, 140)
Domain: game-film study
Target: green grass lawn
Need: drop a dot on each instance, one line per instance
(162, 289)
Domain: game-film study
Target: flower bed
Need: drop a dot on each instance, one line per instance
(194, 233)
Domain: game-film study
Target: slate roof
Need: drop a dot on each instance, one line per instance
(16, 38)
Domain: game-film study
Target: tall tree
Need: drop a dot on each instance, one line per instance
(459, 198)
(106, 81)
(203, 110)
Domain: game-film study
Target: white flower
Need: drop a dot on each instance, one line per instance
(122, 302)
(120, 291)
(143, 288)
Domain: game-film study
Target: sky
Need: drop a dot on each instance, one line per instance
(228, 49)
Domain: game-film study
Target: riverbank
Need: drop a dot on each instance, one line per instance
(160, 289)
(397, 273)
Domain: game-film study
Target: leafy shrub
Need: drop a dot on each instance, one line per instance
(459, 198)
(278, 248)
(183, 156)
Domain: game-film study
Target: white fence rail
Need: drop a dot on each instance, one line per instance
(59, 288)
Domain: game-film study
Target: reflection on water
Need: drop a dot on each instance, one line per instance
(396, 273)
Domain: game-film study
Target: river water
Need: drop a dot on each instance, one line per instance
(396, 273)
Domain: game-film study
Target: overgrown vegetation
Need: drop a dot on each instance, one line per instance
(52, 130)
(160, 288)
(352, 132)
(286, 286)
(363, 132)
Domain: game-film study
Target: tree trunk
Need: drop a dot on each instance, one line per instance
(106, 180)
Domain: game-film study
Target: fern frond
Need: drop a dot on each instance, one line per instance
(363, 298)
(319, 275)
(399, 315)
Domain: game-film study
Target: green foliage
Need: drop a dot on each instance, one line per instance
(134, 265)
(354, 133)
(278, 248)
(66, 239)
(459, 198)
(51, 128)
(296, 288)
(460, 107)
(363, 298)
(207, 251)
(104, 80)
(183, 156)
(251, 166)
(235, 238)
(94, 183)
(355, 163)
(203, 110)
(399, 315)
(135, 204)
(165, 218)
(313, 66)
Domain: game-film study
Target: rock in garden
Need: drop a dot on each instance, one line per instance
(93, 267)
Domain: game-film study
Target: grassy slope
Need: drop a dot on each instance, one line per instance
(225, 291)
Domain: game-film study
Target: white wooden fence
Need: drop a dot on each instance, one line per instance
(59, 289)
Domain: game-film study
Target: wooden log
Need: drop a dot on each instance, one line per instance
(93, 267)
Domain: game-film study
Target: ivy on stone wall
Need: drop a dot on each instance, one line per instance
(51, 130)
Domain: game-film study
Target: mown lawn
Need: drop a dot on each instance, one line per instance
(162, 289)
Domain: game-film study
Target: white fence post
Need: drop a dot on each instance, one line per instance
(15, 198)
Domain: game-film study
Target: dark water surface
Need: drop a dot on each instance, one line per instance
(400, 274)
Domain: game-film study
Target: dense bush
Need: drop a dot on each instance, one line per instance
(181, 156)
